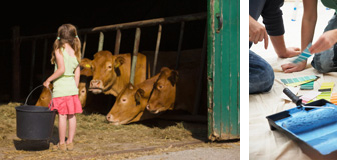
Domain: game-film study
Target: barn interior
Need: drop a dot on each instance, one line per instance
(97, 137)
(34, 64)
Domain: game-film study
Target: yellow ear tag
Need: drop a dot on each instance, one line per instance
(116, 66)
(87, 66)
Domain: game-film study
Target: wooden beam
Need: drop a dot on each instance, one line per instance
(152, 22)
(16, 78)
(136, 24)
(84, 45)
(181, 37)
(32, 65)
(101, 41)
(118, 41)
(44, 59)
(157, 50)
(135, 55)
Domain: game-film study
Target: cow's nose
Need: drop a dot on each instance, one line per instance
(94, 83)
(109, 117)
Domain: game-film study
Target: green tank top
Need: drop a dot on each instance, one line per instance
(330, 4)
(65, 85)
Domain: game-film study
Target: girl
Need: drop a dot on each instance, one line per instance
(66, 57)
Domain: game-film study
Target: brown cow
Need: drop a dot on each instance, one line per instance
(131, 102)
(172, 94)
(164, 91)
(189, 72)
(112, 73)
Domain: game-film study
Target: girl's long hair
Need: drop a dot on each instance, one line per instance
(67, 33)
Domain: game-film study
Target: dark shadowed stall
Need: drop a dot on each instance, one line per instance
(35, 20)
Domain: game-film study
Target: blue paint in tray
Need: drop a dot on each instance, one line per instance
(315, 127)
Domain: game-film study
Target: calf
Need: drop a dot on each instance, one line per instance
(169, 93)
(85, 78)
(163, 94)
(45, 97)
(131, 102)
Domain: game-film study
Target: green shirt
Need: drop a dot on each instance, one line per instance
(330, 4)
(65, 85)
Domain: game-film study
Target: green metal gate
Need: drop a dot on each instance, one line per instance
(223, 54)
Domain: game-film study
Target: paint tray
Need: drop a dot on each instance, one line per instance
(313, 129)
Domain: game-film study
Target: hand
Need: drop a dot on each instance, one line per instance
(291, 52)
(257, 32)
(291, 67)
(46, 84)
(326, 41)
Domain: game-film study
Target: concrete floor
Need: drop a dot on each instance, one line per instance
(201, 153)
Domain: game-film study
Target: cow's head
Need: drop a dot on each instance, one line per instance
(163, 95)
(86, 67)
(106, 68)
(129, 106)
(45, 97)
(85, 78)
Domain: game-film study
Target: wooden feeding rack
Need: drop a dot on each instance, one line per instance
(137, 25)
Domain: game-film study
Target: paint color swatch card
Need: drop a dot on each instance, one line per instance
(334, 98)
(324, 95)
(309, 96)
(298, 81)
(308, 86)
(326, 89)
(326, 86)
(304, 55)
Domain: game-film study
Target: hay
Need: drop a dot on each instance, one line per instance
(8, 122)
(94, 136)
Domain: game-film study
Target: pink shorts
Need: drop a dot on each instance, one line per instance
(67, 105)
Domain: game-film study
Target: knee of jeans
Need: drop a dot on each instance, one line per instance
(320, 66)
(269, 82)
(255, 88)
(262, 82)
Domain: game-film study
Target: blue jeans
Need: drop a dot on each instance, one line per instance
(261, 74)
(326, 61)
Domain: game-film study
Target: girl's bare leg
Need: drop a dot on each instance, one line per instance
(72, 128)
(62, 128)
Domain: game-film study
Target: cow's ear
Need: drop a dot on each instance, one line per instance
(164, 68)
(173, 78)
(130, 86)
(139, 94)
(119, 61)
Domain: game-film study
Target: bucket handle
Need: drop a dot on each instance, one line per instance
(51, 93)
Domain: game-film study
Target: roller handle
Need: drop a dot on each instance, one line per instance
(292, 96)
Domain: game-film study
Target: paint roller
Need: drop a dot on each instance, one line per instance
(299, 103)
(307, 120)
